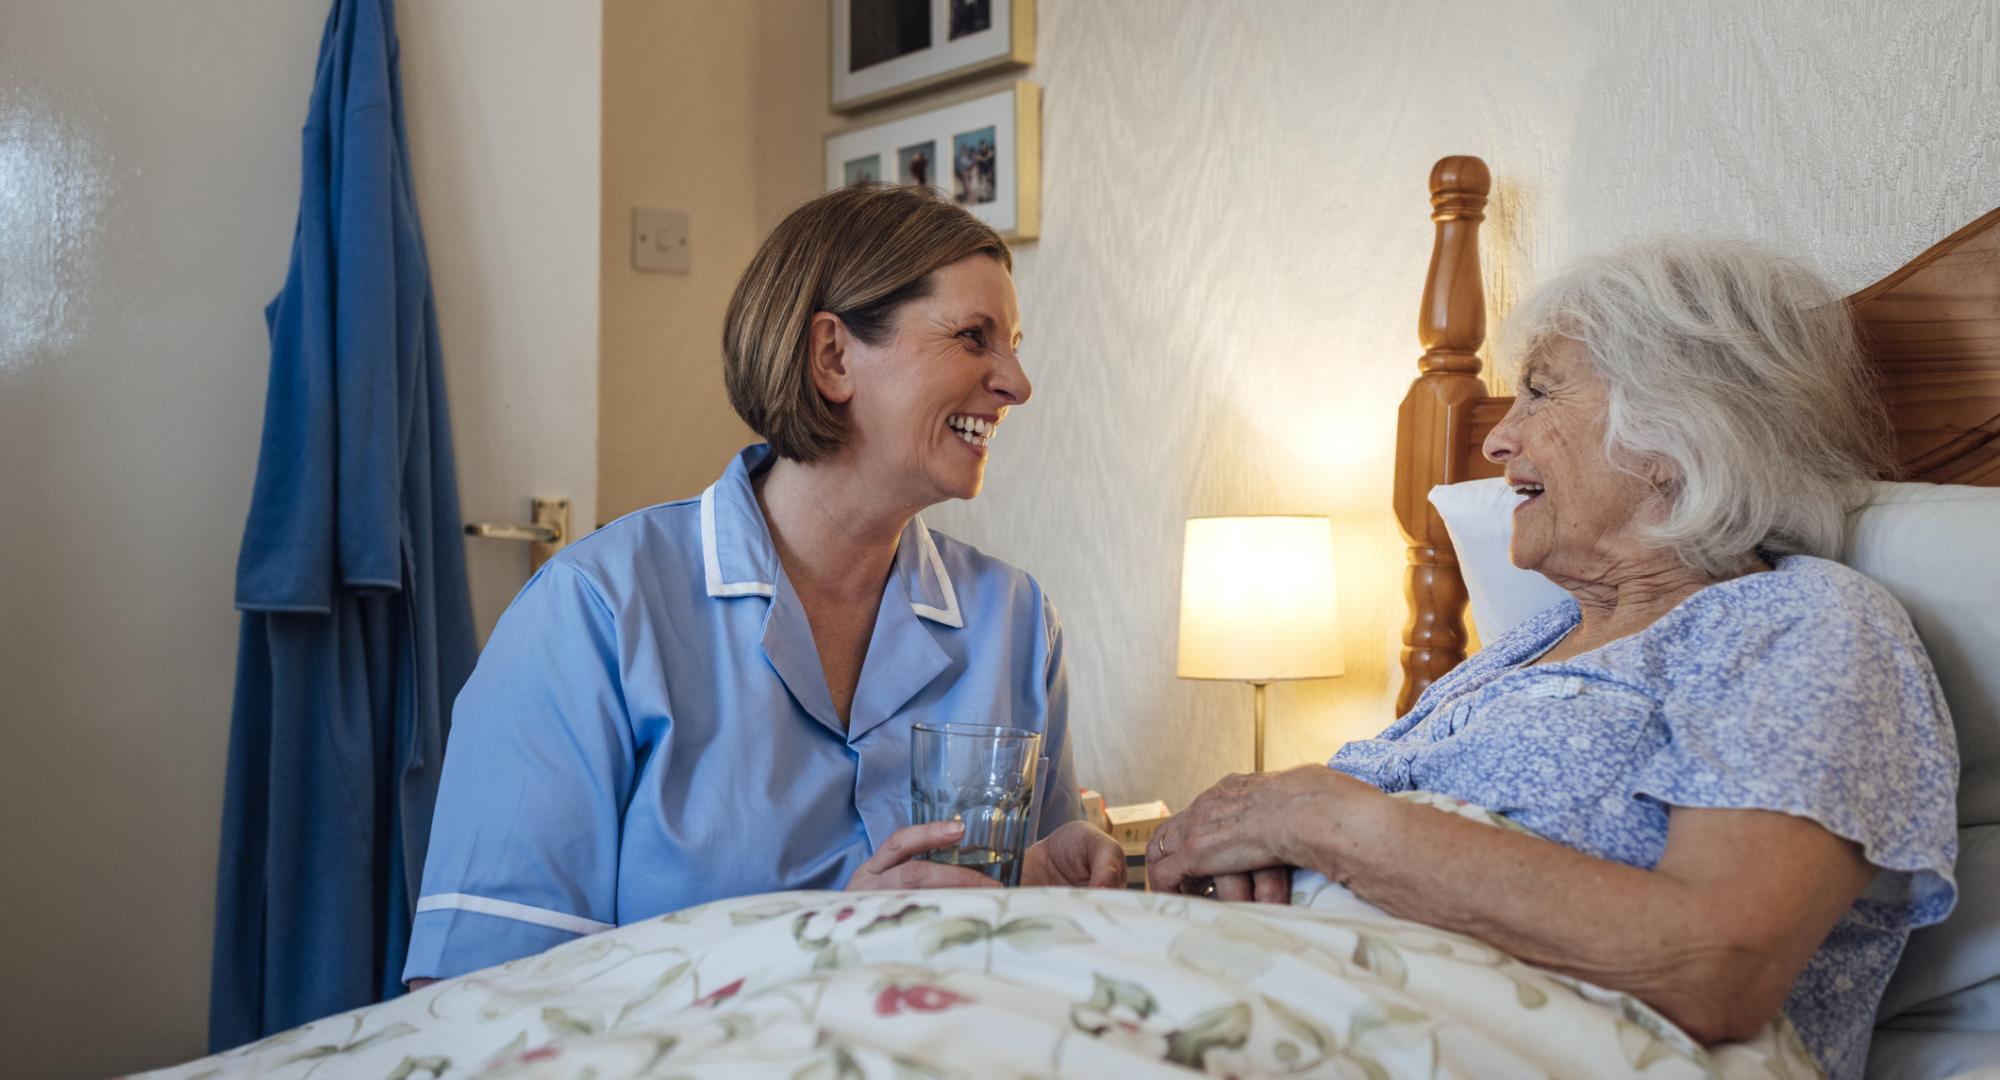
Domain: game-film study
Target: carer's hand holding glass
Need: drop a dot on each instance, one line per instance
(973, 796)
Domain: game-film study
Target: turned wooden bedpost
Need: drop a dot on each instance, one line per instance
(1434, 423)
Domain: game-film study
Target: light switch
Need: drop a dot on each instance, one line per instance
(660, 241)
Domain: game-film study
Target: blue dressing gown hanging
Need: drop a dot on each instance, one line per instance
(357, 625)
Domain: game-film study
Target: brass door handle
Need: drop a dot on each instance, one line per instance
(544, 537)
(507, 530)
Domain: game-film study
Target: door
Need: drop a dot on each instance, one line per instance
(149, 182)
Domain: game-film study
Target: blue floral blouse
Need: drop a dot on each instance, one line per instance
(1803, 690)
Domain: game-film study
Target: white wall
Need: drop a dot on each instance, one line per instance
(1220, 314)
(149, 159)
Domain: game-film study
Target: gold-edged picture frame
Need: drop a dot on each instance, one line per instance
(884, 50)
(985, 152)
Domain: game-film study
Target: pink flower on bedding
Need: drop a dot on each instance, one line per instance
(920, 998)
(720, 995)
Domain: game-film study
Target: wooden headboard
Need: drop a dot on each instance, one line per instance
(1932, 328)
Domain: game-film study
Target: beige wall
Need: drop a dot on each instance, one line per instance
(718, 110)
(679, 123)
(149, 180)
(791, 116)
(1220, 312)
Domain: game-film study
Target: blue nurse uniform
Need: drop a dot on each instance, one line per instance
(650, 728)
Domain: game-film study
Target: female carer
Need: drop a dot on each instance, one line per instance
(713, 697)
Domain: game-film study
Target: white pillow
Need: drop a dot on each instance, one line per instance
(1479, 515)
(1935, 547)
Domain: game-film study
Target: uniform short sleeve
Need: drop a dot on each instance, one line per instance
(539, 766)
(1808, 693)
(1062, 803)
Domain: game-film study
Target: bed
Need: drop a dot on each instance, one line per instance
(1053, 982)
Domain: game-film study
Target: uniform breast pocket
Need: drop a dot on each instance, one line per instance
(1539, 743)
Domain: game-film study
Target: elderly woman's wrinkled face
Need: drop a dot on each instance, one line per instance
(928, 400)
(1579, 520)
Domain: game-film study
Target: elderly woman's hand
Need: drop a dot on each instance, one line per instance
(1078, 854)
(1243, 834)
(895, 864)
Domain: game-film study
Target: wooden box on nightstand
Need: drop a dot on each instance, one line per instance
(1132, 826)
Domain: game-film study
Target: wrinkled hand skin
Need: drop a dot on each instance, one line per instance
(1078, 854)
(1240, 838)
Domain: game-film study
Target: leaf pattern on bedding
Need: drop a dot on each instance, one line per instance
(658, 986)
(429, 1066)
(564, 1022)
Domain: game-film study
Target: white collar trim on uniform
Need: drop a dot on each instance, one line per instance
(945, 612)
(948, 614)
(711, 562)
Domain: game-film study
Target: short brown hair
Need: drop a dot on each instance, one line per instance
(859, 253)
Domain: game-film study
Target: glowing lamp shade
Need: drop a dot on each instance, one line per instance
(1257, 600)
(1258, 603)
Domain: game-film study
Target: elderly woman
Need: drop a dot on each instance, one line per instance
(1732, 752)
(713, 697)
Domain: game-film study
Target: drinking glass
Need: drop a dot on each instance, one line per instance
(985, 777)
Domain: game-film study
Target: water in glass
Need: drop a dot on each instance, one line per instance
(983, 776)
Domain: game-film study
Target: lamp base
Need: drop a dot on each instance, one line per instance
(1258, 696)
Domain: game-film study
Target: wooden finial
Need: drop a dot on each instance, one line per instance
(1452, 323)
(1460, 178)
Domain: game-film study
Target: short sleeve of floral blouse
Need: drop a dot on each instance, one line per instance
(1813, 697)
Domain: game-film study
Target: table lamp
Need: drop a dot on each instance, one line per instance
(1258, 604)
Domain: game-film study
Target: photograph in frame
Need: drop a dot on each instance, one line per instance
(889, 49)
(917, 163)
(973, 165)
(862, 170)
(983, 153)
(879, 31)
(969, 17)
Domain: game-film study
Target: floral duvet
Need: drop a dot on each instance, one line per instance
(1016, 983)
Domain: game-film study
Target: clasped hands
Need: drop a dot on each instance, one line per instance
(1240, 839)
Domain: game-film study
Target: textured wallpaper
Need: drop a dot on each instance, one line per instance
(1221, 312)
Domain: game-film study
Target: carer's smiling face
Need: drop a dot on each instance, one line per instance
(1581, 515)
(929, 400)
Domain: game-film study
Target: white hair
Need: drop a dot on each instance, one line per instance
(1737, 369)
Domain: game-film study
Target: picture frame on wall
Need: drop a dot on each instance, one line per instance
(985, 153)
(889, 49)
